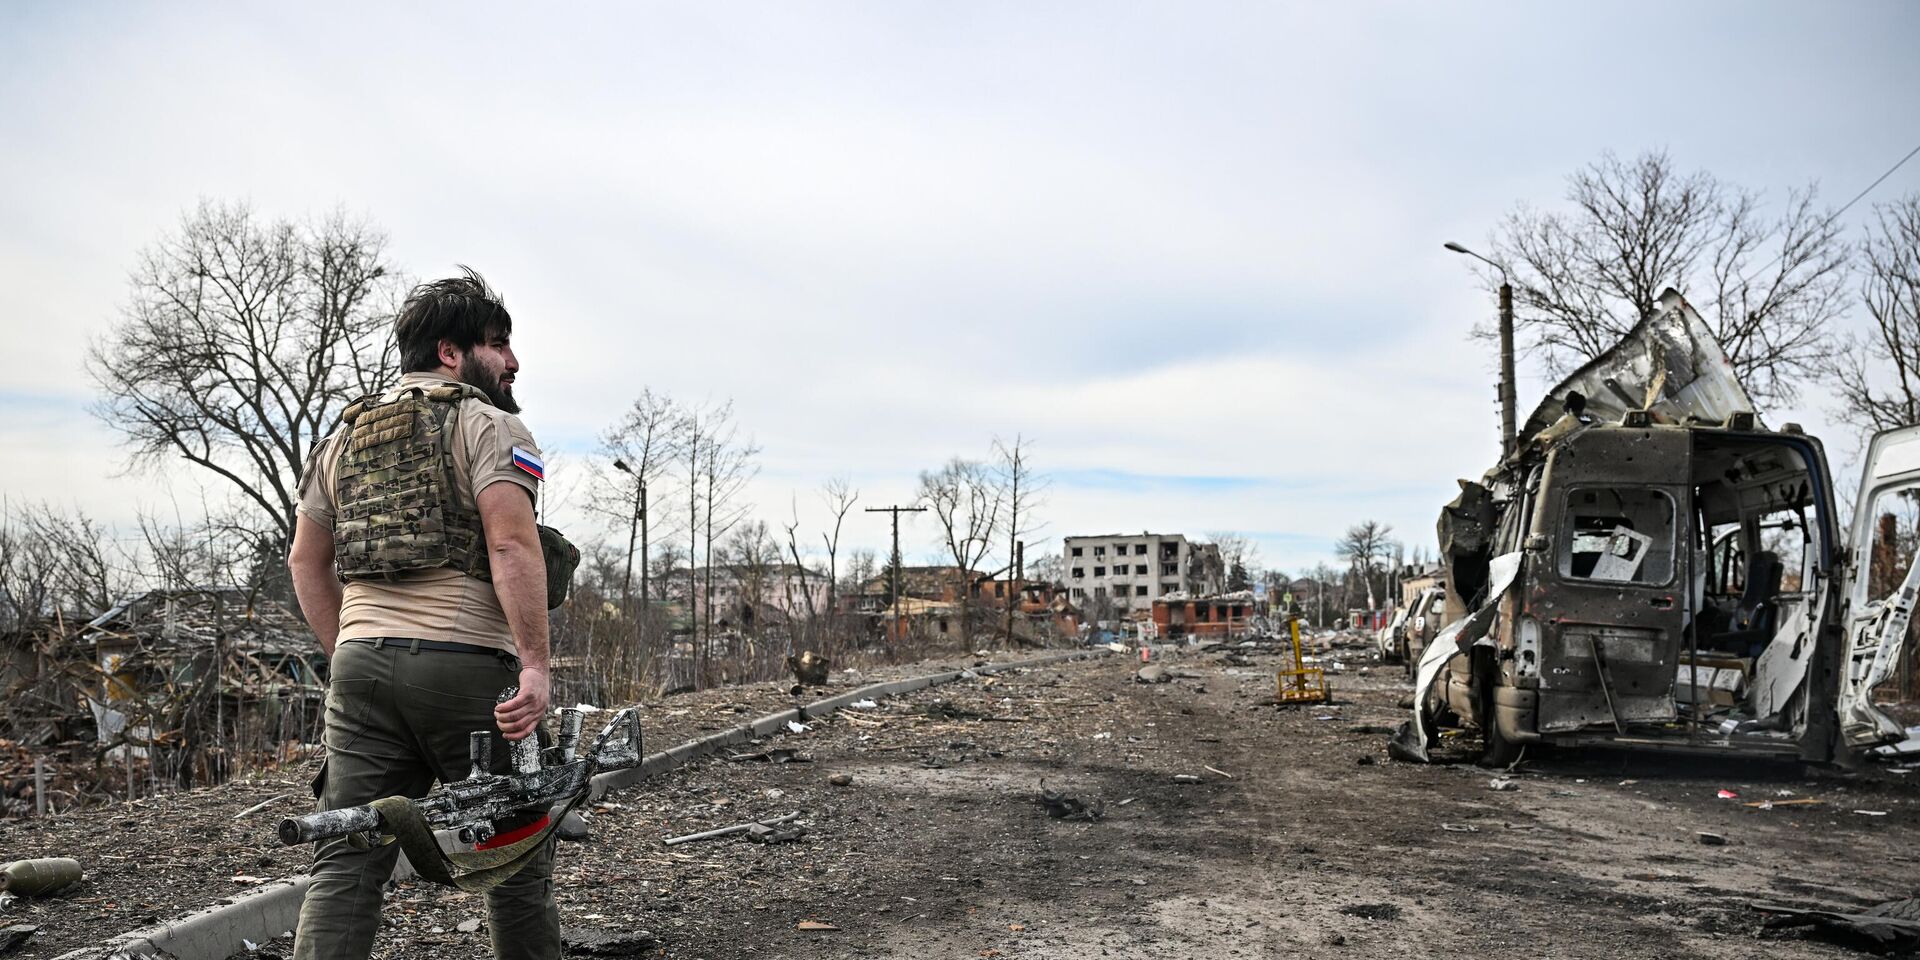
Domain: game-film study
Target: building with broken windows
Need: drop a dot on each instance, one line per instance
(1130, 571)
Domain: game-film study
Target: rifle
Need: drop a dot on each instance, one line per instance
(539, 780)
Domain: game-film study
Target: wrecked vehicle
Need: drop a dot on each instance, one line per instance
(1651, 566)
(1412, 627)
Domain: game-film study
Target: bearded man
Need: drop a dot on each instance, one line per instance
(418, 565)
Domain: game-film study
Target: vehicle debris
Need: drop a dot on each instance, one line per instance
(1707, 839)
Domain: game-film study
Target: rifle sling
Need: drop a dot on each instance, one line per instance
(480, 870)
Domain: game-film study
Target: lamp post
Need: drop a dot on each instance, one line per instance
(1507, 402)
(633, 533)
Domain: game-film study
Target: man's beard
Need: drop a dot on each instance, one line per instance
(488, 382)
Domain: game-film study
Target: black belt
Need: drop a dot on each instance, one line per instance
(415, 645)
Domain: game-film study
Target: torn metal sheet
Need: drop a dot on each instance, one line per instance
(1668, 364)
(1458, 637)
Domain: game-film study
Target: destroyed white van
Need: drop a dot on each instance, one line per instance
(1652, 566)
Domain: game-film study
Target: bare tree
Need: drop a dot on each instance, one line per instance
(840, 498)
(968, 504)
(1363, 547)
(1023, 491)
(645, 439)
(1768, 284)
(1879, 377)
(1239, 554)
(241, 342)
(53, 564)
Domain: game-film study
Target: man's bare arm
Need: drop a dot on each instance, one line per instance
(314, 583)
(520, 580)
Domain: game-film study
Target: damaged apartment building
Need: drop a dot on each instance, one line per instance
(1131, 571)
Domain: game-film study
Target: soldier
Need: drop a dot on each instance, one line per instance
(422, 505)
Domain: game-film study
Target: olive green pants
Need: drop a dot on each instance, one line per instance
(396, 722)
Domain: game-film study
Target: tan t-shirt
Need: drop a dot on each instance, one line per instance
(442, 604)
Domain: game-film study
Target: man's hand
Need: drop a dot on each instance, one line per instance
(521, 715)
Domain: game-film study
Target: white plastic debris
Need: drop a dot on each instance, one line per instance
(863, 704)
(795, 726)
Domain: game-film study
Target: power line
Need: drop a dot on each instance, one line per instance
(1843, 209)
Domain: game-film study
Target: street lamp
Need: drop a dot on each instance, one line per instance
(1507, 402)
(633, 533)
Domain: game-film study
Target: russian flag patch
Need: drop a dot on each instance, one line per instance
(530, 463)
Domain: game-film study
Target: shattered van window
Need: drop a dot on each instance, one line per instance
(1618, 535)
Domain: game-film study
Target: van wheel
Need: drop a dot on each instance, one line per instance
(1495, 750)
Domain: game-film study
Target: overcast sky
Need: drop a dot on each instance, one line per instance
(1191, 251)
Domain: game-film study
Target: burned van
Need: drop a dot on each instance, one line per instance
(1652, 566)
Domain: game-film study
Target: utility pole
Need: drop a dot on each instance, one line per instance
(1507, 432)
(893, 599)
(1507, 401)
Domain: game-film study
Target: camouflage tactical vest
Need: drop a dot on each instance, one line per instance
(398, 511)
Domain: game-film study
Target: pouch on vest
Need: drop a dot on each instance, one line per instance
(561, 558)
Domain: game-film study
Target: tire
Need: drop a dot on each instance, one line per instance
(1495, 750)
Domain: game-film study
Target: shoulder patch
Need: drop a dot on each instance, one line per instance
(530, 463)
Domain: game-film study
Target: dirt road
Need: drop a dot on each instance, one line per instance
(1303, 840)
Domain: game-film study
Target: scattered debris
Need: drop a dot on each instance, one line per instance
(736, 828)
(809, 668)
(607, 943)
(863, 704)
(1892, 927)
(1219, 771)
(761, 833)
(1185, 778)
(1502, 783)
(262, 805)
(841, 779)
(1062, 806)
(1728, 795)
(1372, 911)
(1871, 813)
(774, 755)
(468, 926)
(12, 937)
(1770, 804)
(1459, 828)
(1710, 839)
(815, 925)
(1153, 673)
(795, 726)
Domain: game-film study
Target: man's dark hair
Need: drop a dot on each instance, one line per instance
(463, 310)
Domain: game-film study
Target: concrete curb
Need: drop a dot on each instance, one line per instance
(217, 932)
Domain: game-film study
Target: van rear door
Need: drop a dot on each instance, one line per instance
(1609, 595)
(1881, 593)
